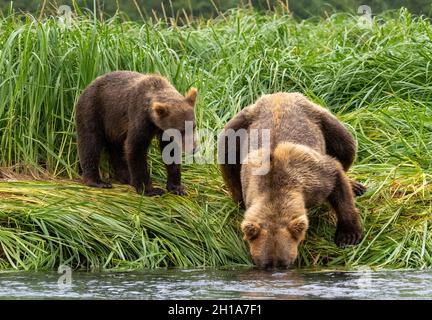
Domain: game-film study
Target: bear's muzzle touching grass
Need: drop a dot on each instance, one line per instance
(308, 156)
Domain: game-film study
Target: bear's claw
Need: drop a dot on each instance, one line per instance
(103, 185)
(358, 188)
(178, 190)
(123, 179)
(348, 236)
(154, 192)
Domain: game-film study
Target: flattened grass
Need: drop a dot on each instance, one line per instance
(47, 223)
(377, 80)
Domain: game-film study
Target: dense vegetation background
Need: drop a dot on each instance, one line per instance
(376, 78)
(205, 8)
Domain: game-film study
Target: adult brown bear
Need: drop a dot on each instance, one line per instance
(308, 155)
(122, 111)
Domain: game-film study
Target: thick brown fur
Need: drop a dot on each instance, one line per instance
(310, 152)
(121, 112)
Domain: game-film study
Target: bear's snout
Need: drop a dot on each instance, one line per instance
(273, 263)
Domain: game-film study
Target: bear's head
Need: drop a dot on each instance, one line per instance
(274, 237)
(177, 114)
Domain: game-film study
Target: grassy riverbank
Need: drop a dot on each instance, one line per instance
(378, 80)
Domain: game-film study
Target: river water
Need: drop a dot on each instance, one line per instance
(217, 284)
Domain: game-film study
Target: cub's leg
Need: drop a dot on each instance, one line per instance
(90, 144)
(348, 230)
(118, 160)
(89, 153)
(136, 149)
(173, 173)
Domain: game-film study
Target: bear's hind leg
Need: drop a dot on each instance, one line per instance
(231, 172)
(339, 141)
(348, 230)
(340, 144)
(90, 147)
(118, 161)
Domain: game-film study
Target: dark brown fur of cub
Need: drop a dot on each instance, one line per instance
(122, 111)
(310, 152)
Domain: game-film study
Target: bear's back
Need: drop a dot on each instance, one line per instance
(288, 120)
(116, 92)
(122, 82)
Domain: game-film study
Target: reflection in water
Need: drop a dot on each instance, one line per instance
(259, 284)
(220, 284)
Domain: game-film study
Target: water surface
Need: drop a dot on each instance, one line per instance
(218, 284)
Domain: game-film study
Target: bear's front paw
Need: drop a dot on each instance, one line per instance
(358, 188)
(99, 184)
(123, 179)
(348, 235)
(178, 190)
(154, 192)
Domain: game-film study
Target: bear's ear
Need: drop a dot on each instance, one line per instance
(191, 96)
(160, 109)
(298, 227)
(250, 230)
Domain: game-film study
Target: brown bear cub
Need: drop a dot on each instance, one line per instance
(308, 156)
(122, 111)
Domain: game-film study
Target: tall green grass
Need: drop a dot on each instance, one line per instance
(378, 80)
